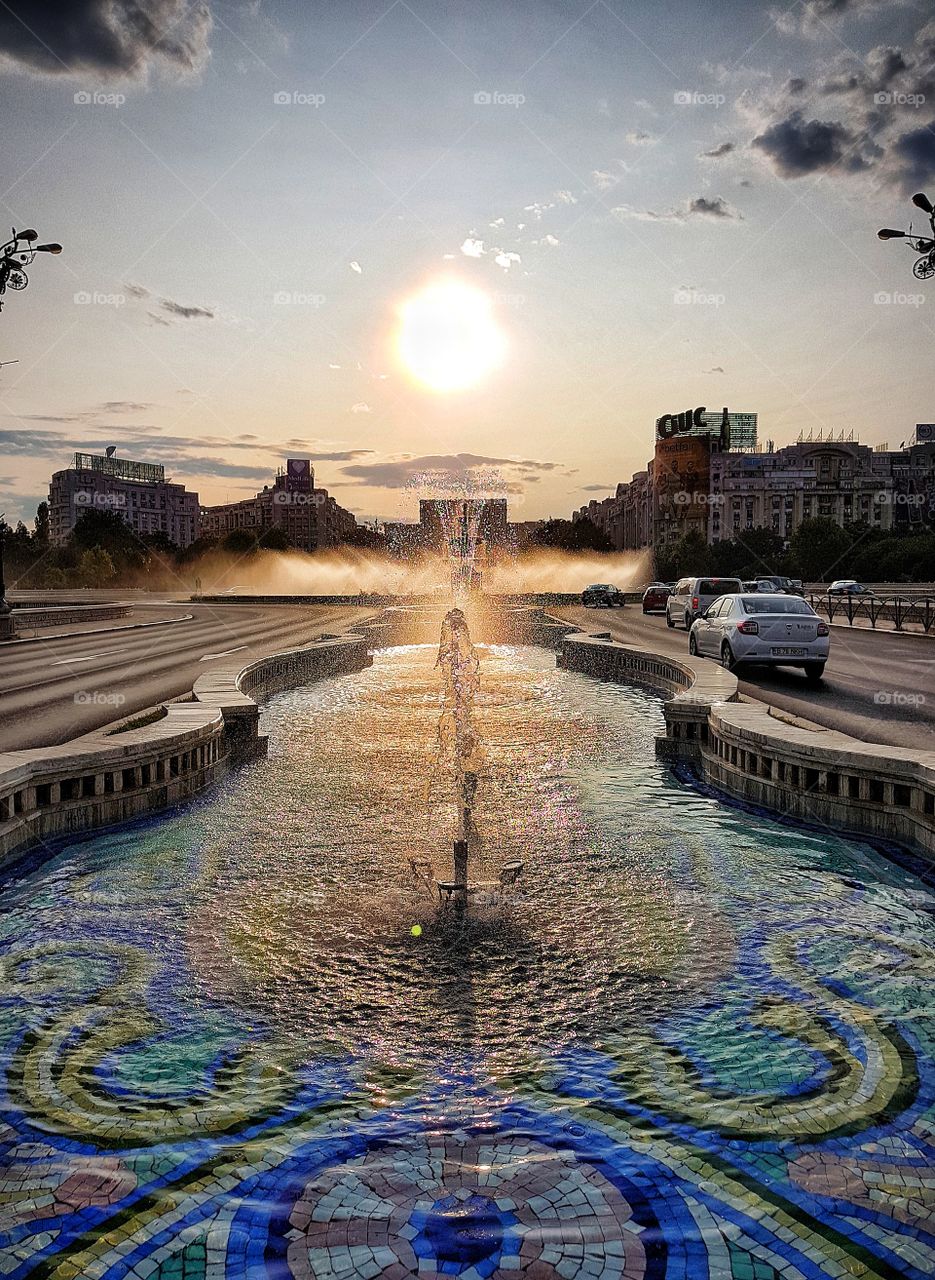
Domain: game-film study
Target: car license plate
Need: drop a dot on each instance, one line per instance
(788, 653)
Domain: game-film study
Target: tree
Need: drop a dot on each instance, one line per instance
(95, 568)
(688, 554)
(820, 550)
(107, 530)
(239, 542)
(274, 539)
(42, 535)
(571, 535)
(751, 554)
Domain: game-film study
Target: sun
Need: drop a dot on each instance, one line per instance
(448, 338)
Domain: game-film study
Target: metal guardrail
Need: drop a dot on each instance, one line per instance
(896, 609)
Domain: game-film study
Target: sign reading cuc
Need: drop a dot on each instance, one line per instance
(673, 424)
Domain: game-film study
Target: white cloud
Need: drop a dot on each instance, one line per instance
(498, 222)
(566, 197)
(537, 210)
(549, 240)
(361, 407)
(506, 260)
(355, 266)
(472, 248)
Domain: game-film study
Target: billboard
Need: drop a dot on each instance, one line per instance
(681, 485)
(925, 432)
(120, 468)
(299, 473)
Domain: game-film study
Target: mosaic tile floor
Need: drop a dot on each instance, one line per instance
(698, 1044)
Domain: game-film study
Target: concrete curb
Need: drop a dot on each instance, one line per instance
(98, 631)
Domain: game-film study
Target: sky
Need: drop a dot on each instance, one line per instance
(664, 206)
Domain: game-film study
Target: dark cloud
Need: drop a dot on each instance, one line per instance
(452, 468)
(122, 406)
(185, 313)
(913, 156)
(702, 207)
(136, 291)
(597, 488)
(722, 149)
(158, 319)
(797, 146)
(216, 467)
(108, 38)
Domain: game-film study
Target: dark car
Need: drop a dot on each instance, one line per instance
(775, 582)
(655, 597)
(602, 595)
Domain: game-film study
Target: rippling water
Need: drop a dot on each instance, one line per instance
(691, 1042)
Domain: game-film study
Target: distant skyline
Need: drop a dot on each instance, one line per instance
(665, 207)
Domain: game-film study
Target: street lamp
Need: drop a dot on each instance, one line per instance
(17, 253)
(924, 266)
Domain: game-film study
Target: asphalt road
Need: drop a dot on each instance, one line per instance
(878, 686)
(56, 688)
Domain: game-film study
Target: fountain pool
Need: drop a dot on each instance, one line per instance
(241, 1041)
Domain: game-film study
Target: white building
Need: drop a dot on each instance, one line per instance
(136, 491)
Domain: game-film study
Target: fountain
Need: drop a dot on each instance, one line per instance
(460, 751)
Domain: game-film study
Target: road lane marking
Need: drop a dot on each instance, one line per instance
(89, 657)
(222, 655)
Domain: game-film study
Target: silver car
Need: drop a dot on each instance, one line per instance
(780, 630)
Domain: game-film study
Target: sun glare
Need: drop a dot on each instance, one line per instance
(448, 337)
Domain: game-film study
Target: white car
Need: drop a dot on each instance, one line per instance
(780, 630)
